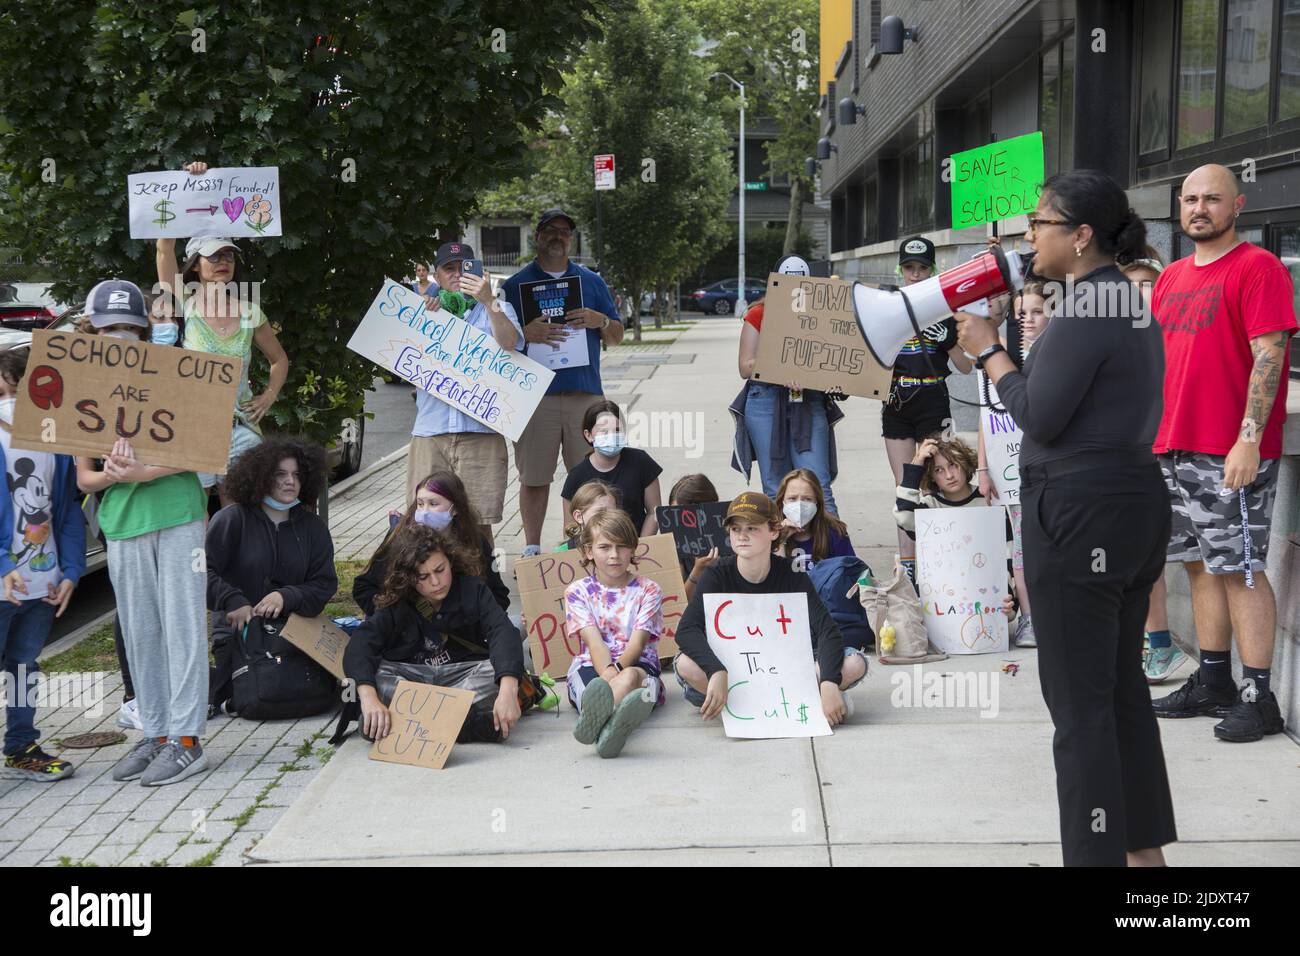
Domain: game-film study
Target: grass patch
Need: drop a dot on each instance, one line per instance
(343, 605)
(90, 655)
(68, 861)
(206, 859)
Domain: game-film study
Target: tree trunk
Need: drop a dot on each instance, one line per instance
(794, 224)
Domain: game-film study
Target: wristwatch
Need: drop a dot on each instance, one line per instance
(618, 667)
(988, 353)
(605, 324)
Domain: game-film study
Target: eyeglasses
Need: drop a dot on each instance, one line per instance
(222, 255)
(1034, 223)
(558, 233)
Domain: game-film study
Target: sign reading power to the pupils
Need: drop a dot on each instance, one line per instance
(84, 392)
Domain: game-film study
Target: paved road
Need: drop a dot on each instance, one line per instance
(390, 429)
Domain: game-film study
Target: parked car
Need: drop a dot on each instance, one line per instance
(28, 305)
(719, 297)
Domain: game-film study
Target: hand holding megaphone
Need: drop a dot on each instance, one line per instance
(975, 333)
(888, 319)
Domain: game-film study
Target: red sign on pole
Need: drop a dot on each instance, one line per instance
(604, 164)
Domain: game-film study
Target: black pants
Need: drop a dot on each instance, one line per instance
(1094, 545)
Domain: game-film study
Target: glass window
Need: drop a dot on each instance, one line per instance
(1289, 89)
(500, 241)
(1288, 250)
(1248, 56)
(1157, 75)
(918, 184)
(1197, 67)
(1049, 108)
(870, 213)
(1067, 103)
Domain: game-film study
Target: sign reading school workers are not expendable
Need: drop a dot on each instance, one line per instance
(451, 360)
(173, 204)
(997, 181)
(82, 393)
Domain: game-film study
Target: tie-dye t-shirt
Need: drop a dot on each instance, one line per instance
(617, 613)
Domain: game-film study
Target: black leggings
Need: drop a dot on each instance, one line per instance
(1094, 545)
(128, 690)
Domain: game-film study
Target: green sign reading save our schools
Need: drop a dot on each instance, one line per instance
(997, 181)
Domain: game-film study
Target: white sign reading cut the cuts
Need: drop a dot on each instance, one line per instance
(1002, 437)
(221, 202)
(961, 571)
(451, 360)
(764, 642)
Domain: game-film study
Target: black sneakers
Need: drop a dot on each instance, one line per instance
(1195, 699)
(1251, 717)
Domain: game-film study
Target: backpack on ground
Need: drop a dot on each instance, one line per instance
(897, 604)
(836, 582)
(273, 680)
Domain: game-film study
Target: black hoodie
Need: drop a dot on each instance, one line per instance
(249, 556)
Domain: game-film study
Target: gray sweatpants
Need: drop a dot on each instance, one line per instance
(160, 583)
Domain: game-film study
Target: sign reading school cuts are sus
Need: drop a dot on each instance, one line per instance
(997, 181)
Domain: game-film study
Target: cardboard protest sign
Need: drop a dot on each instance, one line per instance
(696, 529)
(84, 392)
(810, 335)
(320, 639)
(764, 642)
(961, 570)
(451, 360)
(1002, 437)
(227, 202)
(543, 579)
(552, 300)
(426, 721)
(997, 181)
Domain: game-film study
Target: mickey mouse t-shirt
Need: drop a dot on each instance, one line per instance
(32, 545)
(1208, 315)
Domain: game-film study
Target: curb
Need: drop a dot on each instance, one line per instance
(366, 472)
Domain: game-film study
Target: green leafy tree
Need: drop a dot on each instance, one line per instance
(642, 96)
(385, 120)
(771, 47)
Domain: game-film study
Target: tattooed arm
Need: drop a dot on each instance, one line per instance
(1242, 463)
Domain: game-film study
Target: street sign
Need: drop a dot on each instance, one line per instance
(758, 187)
(605, 171)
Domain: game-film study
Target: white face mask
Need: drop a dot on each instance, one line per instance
(122, 334)
(7, 408)
(800, 512)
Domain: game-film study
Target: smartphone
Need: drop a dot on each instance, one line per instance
(472, 266)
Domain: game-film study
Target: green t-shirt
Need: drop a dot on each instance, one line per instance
(134, 508)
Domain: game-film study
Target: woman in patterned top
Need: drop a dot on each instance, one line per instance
(218, 321)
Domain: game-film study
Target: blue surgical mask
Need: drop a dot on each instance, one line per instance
(610, 443)
(165, 334)
(437, 520)
(280, 505)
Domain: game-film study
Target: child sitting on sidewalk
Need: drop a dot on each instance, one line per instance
(590, 499)
(694, 489)
(809, 533)
(633, 472)
(42, 557)
(614, 683)
(753, 528)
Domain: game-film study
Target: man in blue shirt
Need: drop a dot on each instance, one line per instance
(445, 438)
(557, 423)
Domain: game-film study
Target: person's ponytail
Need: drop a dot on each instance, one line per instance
(1131, 238)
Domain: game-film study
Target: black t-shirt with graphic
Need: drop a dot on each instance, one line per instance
(921, 363)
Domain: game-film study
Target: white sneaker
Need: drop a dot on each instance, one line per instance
(848, 704)
(128, 715)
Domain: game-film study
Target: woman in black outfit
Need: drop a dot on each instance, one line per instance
(268, 554)
(1096, 516)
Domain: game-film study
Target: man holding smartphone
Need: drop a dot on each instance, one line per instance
(443, 436)
(557, 424)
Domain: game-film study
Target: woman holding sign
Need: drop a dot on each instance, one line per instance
(1096, 517)
(217, 320)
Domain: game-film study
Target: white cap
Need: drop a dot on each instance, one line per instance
(208, 246)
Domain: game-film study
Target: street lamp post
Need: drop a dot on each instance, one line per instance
(741, 304)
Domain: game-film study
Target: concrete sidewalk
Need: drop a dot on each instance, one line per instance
(898, 785)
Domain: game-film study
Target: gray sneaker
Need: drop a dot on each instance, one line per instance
(174, 763)
(137, 760)
(1025, 632)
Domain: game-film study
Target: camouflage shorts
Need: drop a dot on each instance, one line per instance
(1207, 524)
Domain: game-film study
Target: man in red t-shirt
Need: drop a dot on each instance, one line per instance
(1227, 315)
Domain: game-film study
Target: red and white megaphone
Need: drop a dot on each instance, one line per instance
(888, 319)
